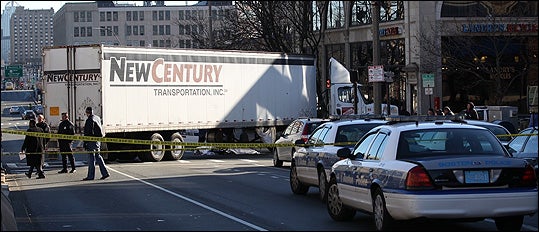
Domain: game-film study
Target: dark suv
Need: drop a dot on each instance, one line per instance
(299, 129)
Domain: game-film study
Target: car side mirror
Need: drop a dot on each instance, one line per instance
(344, 153)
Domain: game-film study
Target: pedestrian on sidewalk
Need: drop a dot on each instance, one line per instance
(33, 147)
(66, 127)
(92, 127)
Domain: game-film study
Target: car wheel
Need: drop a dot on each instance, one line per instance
(322, 184)
(276, 161)
(513, 223)
(382, 219)
(295, 184)
(336, 209)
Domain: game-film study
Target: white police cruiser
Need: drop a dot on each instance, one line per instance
(433, 169)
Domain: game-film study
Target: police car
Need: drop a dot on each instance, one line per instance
(312, 162)
(440, 169)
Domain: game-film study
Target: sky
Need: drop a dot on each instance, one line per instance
(37, 5)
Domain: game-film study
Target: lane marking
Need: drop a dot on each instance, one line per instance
(194, 202)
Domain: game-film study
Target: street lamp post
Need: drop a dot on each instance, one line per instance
(109, 30)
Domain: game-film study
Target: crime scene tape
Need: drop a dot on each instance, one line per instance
(186, 145)
(146, 142)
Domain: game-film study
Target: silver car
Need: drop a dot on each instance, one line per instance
(433, 170)
(311, 164)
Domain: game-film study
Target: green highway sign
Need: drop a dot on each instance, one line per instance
(428, 80)
(13, 71)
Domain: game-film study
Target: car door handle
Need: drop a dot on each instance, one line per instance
(371, 170)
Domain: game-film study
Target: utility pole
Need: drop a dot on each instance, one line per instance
(377, 86)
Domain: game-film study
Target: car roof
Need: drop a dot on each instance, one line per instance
(356, 121)
(439, 124)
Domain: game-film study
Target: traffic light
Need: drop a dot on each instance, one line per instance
(328, 83)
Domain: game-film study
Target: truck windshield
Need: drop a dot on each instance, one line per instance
(346, 94)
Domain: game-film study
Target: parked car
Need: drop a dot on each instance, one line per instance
(500, 131)
(38, 109)
(300, 128)
(432, 170)
(14, 110)
(311, 164)
(525, 146)
(28, 114)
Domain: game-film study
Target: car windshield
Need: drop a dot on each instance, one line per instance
(448, 142)
(353, 132)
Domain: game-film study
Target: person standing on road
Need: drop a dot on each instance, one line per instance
(44, 126)
(68, 128)
(33, 147)
(92, 127)
(470, 112)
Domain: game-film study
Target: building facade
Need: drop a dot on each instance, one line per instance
(413, 38)
(134, 26)
(6, 36)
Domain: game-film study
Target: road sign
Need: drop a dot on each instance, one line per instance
(376, 73)
(428, 79)
(532, 98)
(429, 91)
(13, 71)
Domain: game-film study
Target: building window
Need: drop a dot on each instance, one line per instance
(76, 16)
(187, 30)
(76, 31)
(154, 15)
(335, 14)
(135, 30)
(142, 43)
(167, 43)
(115, 29)
(180, 15)
(115, 16)
(141, 15)
(167, 30)
(109, 16)
(128, 15)
(88, 16)
(135, 15)
(391, 11)
(83, 32)
(154, 30)
(128, 30)
(361, 13)
(89, 31)
(161, 29)
(181, 30)
(109, 31)
(167, 15)
(102, 16)
(161, 15)
(141, 29)
(83, 16)
(102, 31)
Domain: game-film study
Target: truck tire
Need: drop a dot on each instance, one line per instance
(176, 151)
(157, 151)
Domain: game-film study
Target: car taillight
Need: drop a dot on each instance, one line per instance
(305, 134)
(418, 179)
(528, 177)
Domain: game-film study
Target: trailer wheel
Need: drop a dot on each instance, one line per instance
(157, 151)
(176, 151)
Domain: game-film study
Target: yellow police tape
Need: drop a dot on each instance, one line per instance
(183, 145)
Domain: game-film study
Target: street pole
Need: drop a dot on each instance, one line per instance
(377, 86)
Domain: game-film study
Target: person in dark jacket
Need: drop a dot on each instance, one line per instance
(66, 127)
(471, 112)
(92, 127)
(33, 147)
(44, 126)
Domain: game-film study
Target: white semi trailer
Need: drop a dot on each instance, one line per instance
(156, 93)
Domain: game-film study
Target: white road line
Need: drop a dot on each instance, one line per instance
(250, 161)
(216, 161)
(194, 202)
